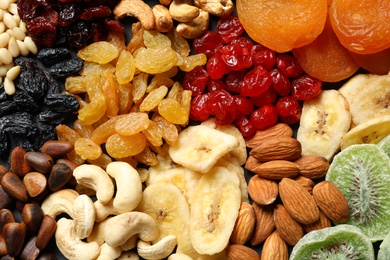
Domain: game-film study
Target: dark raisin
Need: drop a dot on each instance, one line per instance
(50, 117)
(69, 13)
(25, 143)
(21, 123)
(46, 133)
(33, 80)
(43, 29)
(4, 142)
(51, 56)
(98, 31)
(78, 35)
(24, 101)
(7, 107)
(66, 68)
(62, 103)
(54, 86)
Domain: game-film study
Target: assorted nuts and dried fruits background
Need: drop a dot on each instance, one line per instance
(194, 129)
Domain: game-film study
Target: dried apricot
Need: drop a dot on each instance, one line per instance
(119, 146)
(362, 26)
(376, 63)
(282, 25)
(325, 58)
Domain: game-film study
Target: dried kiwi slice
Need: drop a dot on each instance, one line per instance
(338, 242)
(384, 144)
(362, 173)
(384, 249)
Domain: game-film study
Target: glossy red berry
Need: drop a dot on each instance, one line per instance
(221, 104)
(244, 42)
(263, 56)
(256, 82)
(199, 107)
(196, 80)
(234, 79)
(266, 98)
(243, 104)
(289, 110)
(215, 85)
(235, 56)
(229, 27)
(306, 87)
(280, 82)
(245, 126)
(289, 65)
(208, 43)
(216, 67)
(264, 117)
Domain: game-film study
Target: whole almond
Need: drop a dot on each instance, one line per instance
(262, 191)
(279, 129)
(277, 148)
(277, 170)
(241, 252)
(298, 201)
(251, 163)
(18, 164)
(331, 201)
(313, 166)
(245, 224)
(274, 248)
(265, 223)
(322, 223)
(306, 183)
(289, 229)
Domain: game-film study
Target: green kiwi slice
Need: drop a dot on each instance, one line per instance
(338, 242)
(384, 249)
(362, 173)
(384, 144)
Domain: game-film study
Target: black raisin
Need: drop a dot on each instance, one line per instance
(33, 80)
(7, 107)
(50, 117)
(51, 56)
(24, 101)
(54, 86)
(66, 68)
(21, 123)
(46, 133)
(78, 35)
(62, 103)
(69, 12)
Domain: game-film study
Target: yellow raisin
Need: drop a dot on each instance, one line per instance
(169, 131)
(158, 81)
(100, 52)
(125, 97)
(130, 160)
(175, 92)
(105, 130)
(140, 83)
(153, 98)
(132, 123)
(185, 102)
(192, 61)
(179, 43)
(172, 111)
(119, 146)
(102, 161)
(65, 133)
(153, 134)
(155, 61)
(92, 112)
(89, 67)
(92, 84)
(154, 39)
(110, 91)
(147, 157)
(87, 149)
(125, 67)
(75, 84)
(84, 130)
(137, 39)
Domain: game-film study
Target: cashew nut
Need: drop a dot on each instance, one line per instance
(183, 10)
(196, 27)
(179, 256)
(138, 9)
(105, 210)
(83, 216)
(129, 255)
(59, 202)
(131, 243)
(109, 252)
(129, 224)
(159, 250)
(71, 246)
(128, 186)
(97, 234)
(163, 19)
(216, 7)
(94, 177)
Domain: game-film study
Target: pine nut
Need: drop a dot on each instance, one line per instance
(31, 45)
(4, 4)
(22, 26)
(24, 51)
(4, 39)
(2, 27)
(1, 14)
(13, 73)
(9, 21)
(3, 70)
(13, 47)
(5, 56)
(17, 19)
(13, 8)
(1, 80)
(18, 33)
(9, 86)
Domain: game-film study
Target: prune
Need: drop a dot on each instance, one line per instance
(62, 103)
(33, 79)
(50, 56)
(50, 117)
(66, 68)
(69, 13)
(78, 35)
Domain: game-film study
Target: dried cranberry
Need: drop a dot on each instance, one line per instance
(216, 67)
(266, 98)
(215, 85)
(264, 117)
(233, 80)
(263, 56)
(244, 42)
(256, 81)
(78, 35)
(289, 65)
(196, 80)
(289, 110)
(243, 104)
(114, 25)
(93, 13)
(199, 110)
(229, 27)
(245, 126)
(280, 82)
(43, 31)
(69, 13)
(98, 31)
(208, 44)
(236, 56)
(221, 104)
(306, 87)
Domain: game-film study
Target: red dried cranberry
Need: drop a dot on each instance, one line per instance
(196, 80)
(208, 44)
(289, 65)
(306, 87)
(93, 13)
(42, 31)
(215, 85)
(236, 56)
(289, 110)
(264, 117)
(98, 31)
(266, 98)
(256, 82)
(233, 80)
(229, 27)
(280, 82)
(244, 42)
(216, 67)
(69, 13)
(114, 25)
(199, 109)
(245, 126)
(243, 104)
(263, 56)
(221, 104)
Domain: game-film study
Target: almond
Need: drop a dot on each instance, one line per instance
(274, 248)
(277, 148)
(251, 163)
(241, 252)
(262, 191)
(245, 224)
(279, 129)
(289, 229)
(306, 183)
(331, 201)
(313, 166)
(265, 223)
(277, 170)
(322, 223)
(298, 201)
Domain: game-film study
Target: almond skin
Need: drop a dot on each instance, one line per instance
(245, 224)
(274, 248)
(313, 166)
(279, 129)
(262, 191)
(331, 201)
(241, 252)
(289, 229)
(298, 201)
(265, 223)
(306, 183)
(277, 148)
(322, 223)
(251, 163)
(277, 170)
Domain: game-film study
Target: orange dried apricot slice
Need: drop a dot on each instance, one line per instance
(375, 63)
(282, 25)
(362, 26)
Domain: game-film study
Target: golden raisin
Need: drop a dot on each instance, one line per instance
(87, 149)
(172, 111)
(132, 123)
(119, 146)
